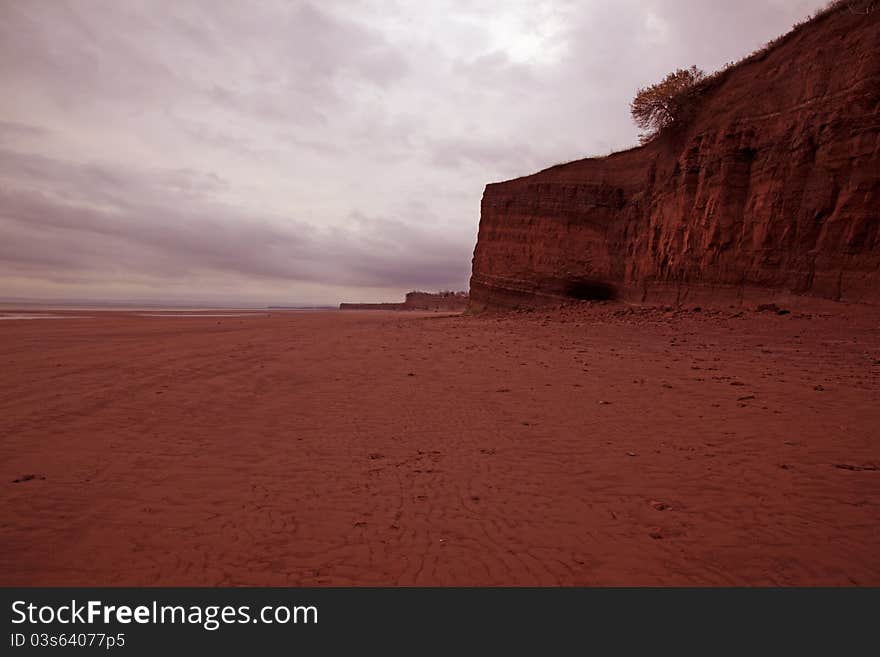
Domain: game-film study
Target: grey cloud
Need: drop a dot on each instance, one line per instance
(508, 156)
(12, 131)
(168, 223)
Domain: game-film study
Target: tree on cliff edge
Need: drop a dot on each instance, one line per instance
(666, 103)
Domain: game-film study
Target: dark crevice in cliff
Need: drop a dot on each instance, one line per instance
(589, 290)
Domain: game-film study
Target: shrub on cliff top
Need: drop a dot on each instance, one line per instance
(666, 103)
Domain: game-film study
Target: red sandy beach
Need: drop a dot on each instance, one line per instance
(591, 446)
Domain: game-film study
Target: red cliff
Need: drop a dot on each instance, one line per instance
(772, 190)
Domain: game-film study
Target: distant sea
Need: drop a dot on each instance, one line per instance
(31, 306)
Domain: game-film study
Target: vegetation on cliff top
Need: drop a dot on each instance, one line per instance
(667, 103)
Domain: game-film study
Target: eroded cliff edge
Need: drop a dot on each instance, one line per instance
(772, 191)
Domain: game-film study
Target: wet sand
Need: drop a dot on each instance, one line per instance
(589, 446)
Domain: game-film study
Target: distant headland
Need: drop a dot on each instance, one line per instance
(415, 300)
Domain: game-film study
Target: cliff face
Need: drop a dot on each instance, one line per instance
(772, 190)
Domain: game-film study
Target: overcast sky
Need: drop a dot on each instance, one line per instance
(274, 152)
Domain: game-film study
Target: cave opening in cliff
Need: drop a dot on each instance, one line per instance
(590, 290)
